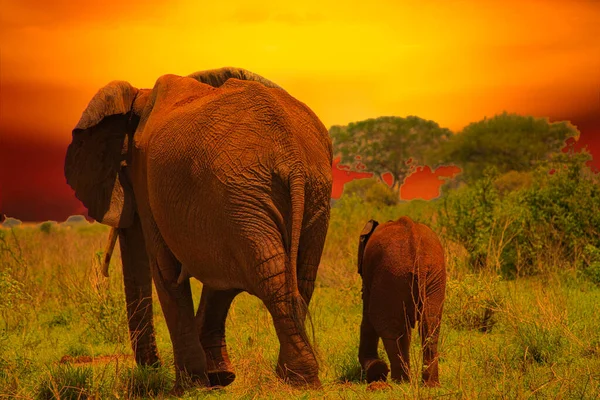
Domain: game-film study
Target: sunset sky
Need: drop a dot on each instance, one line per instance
(450, 61)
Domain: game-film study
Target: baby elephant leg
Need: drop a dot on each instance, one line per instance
(430, 332)
(375, 369)
(397, 350)
(393, 321)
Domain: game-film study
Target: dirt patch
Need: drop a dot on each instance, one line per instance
(85, 360)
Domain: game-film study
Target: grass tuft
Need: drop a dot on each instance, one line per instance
(66, 382)
(145, 382)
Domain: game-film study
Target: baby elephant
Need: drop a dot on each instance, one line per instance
(404, 281)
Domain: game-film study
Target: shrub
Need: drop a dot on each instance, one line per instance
(530, 229)
(372, 191)
(381, 194)
(47, 227)
(567, 199)
(468, 217)
(512, 181)
(589, 264)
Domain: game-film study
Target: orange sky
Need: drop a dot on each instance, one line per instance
(450, 61)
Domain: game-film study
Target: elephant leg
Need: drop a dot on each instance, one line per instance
(297, 362)
(375, 368)
(429, 330)
(210, 320)
(178, 309)
(396, 338)
(392, 311)
(397, 350)
(138, 294)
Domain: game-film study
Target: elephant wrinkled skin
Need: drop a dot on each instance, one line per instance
(404, 281)
(221, 172)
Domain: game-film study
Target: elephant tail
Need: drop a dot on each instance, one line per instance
(299, 306)
(297, 181)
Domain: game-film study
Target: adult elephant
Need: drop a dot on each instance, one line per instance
(222, 172)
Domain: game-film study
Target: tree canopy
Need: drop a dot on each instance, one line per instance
(387, 144)
(507, 142)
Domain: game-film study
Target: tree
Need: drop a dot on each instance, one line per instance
(388, 144)
(507, 142)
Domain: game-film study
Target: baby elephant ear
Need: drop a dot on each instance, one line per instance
(364, 238)
(369, 228)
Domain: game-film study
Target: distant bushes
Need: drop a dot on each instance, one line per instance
(47, 226)
(527, 224)
(372, 191)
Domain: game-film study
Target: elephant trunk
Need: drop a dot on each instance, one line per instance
(110, 246)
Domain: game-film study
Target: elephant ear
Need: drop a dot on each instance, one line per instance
(98, 152)
(364, 238)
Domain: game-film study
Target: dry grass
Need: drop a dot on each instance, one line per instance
(543, 342)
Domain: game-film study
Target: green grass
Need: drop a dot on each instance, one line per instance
(541, 337)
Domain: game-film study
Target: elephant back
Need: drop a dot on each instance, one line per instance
(217, 77)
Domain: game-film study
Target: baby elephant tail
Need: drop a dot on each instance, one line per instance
(365, 235)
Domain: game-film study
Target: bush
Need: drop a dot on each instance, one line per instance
(47, 226)
(372, 191)
(513, 180)
(589, 264)
(468, 217)
(530, 229)
(381, 194)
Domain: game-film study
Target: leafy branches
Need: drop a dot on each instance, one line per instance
(388, 144)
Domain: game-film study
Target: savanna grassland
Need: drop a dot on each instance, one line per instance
(521, 232)
(64, 334)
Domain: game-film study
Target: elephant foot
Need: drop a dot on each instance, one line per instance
(177, 391)
(376, 370)
(220, 372)
(221, 378)
(294, 377)
(148, 359)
